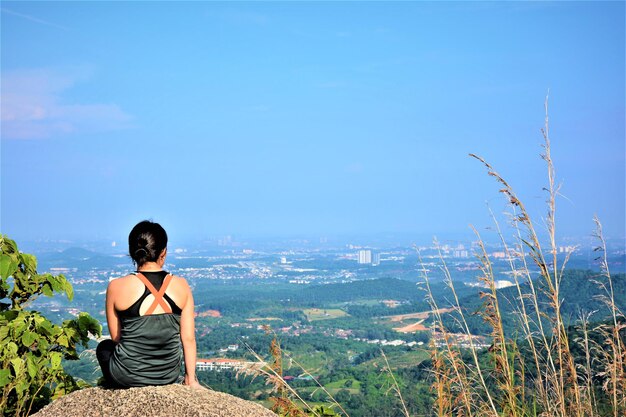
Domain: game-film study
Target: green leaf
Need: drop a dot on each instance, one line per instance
(30, 262)
(47, 290)
(4, 332)
(18, 327)
(55, 330)
(31, 366)
(28, 338)
(9, 315)
(55, 282)
(69, 290)
(17, 364)
(84, 320)
(7, 266)
(12, 348)
(63, 341)
(55, 360)
(44, 326)
(32, 348)
(20, 387)
(42, 345)
(7, 245)
(70, 332)
(5, 377)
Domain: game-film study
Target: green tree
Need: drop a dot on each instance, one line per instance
(31, 347)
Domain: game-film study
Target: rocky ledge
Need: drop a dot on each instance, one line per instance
(168, 400)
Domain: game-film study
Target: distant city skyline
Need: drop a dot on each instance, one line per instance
(287, 119)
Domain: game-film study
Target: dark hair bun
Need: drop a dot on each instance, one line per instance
(146, 242)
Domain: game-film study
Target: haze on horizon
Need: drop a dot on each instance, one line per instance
(306, 118)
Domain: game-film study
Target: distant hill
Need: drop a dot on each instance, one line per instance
(77, 253)
(239, 300)
(383, 288)
(579, 292)
(79, 257)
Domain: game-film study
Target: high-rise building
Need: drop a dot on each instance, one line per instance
(225, 241)
(365, 256)
(461, 253)
(375, 259)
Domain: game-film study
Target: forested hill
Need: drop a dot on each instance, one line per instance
(384, 288)
(580, 293)
(244, 299)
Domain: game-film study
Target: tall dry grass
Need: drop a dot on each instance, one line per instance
(532, 373)
(287, 401)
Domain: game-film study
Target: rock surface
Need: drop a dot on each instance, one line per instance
(167, 400)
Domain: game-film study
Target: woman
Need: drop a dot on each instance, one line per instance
(149, 313)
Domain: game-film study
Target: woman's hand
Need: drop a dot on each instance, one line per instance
(192, 382)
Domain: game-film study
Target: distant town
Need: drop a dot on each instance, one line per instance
(233, 260)
(333, 308)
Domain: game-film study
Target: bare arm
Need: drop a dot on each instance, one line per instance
(188, 338)
(112, 320)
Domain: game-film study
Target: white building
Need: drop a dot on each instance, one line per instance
(365, 256)
(222, 364)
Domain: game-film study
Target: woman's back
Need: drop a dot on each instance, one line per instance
(129, 293)
(150, 314)
(149, 348)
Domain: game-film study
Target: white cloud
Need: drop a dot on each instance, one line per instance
(34, 106)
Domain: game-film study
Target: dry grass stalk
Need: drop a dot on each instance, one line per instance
(450, 377)
(525, 320)
(394, 386)
(320, 386)
(586, 373)
(476, 373)
(560, 387)
(283, 403)
(614, 357)
(464, 379)
(568, 373)
(442, 382)
(492, 315)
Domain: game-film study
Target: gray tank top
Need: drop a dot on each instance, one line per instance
(149, 351)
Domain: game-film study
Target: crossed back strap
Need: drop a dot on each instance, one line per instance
(158, 295)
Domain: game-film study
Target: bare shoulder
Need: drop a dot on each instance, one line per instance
(117, 283)
(180, 291)
(180, 281)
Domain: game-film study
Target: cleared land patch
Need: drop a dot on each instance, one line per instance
(397, 359)
(391, 303)
(209, 313)
(345, 383)
(415, 327)
(314, 314)
(264, 319)
(421, 316)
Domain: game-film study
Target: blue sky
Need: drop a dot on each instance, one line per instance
(277, 118)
